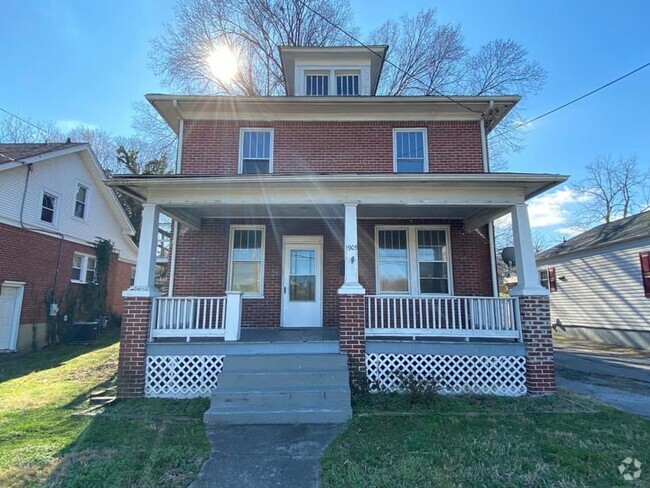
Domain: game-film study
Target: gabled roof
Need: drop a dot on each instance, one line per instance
(18, 152)
(16, 155)
(628, 229)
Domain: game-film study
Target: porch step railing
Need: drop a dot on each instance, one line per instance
(469, 317)
(192, 317)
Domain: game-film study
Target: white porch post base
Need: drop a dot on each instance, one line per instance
(141, 291)
(527, 277)
(351, 285)
(233, 315)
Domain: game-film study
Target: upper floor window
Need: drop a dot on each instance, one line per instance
(81, 201)
(317, 84)
(83, 268)
(49, 207)
(256, 151)
(347, 84)
(410, 151)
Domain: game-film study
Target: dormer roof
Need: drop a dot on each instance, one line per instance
(292, 54)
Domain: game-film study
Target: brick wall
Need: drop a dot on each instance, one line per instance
(202, 263)
(536, 332)
(352, 336)
(212, 147)
(31, 257)
(133, 345)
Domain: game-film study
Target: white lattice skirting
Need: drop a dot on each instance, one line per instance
(182, 376)
(453, 374)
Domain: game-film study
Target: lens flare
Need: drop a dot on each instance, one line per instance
(223, 63)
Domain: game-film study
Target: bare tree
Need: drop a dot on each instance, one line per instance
(15, 130)
(613, 189)
(254, 28)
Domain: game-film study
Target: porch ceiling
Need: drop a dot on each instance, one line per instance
(475, 198)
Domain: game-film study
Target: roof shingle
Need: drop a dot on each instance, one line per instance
(19, 152)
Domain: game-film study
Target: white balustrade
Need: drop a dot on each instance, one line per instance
(191, 317)
(477, 317)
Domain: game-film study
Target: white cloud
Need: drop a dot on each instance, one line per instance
(552, 208)
(68, 125)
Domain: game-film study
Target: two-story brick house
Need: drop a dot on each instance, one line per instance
(53, 207)
(332, 222)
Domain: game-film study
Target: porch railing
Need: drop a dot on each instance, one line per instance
(469, 317)
(193, 317)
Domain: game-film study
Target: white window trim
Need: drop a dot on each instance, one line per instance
(412, 259)
(240, 166)
(346, 72)
(84, 267)
(425, 142)
(57, 208)
(231, 242)
(319, 72)
(88, 197)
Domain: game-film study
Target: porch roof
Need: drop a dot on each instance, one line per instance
(476, 198)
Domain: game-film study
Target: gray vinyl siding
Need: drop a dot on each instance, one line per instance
(603, 288)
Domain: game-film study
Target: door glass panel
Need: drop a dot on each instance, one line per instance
(302, 275)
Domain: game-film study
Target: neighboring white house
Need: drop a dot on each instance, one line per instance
(53, 208)
(600, 283)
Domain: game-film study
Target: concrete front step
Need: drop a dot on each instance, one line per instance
(284, 378)
(260, 416)
(325, 397)
(282, 389)
(268, 362)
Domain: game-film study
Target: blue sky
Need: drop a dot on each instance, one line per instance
(76, 61)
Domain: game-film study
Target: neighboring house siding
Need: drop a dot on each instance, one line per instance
(60, 175)
(202, 262)
(212, 147)
(602, 293)
(32, 258)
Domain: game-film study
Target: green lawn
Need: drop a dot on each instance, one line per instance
(562, 441)
(135, 443)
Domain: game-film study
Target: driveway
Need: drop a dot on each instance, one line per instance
(266, 456)
(617, 376)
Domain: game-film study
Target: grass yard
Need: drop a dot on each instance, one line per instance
(562, 441)
(135, 443)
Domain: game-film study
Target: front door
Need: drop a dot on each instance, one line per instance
(11, 298)
(302, 281)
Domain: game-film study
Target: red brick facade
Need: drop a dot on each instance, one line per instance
(31, 257)
(352, 336)
(133, 347)
(202, 262)
(212, 147)
(536, 332)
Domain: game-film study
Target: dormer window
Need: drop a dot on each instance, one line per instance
(317, 84)
(347, 83)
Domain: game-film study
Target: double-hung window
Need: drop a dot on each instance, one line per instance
(83, 268)
(81, 201)
(410, 151)
(256, 151)
(347, 84)
(49, 209)
(317, 84)
(246, 270)
(413, 260)
(645, 272)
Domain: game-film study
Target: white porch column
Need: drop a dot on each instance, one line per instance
(527, 276)
(233, 315)
(351, 285)
(144, 283)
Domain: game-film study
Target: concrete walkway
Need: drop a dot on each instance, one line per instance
(266, 456)
(617, 376)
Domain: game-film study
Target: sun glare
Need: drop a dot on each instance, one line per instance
(223, 63)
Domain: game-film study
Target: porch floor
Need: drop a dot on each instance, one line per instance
(271, 335)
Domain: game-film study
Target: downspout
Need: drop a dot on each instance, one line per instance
(179, 147)
(486, 169)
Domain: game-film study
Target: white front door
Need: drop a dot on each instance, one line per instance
(302, 281)
(11, 300)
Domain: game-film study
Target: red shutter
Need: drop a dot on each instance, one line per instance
(645, 272)
(552, 284)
